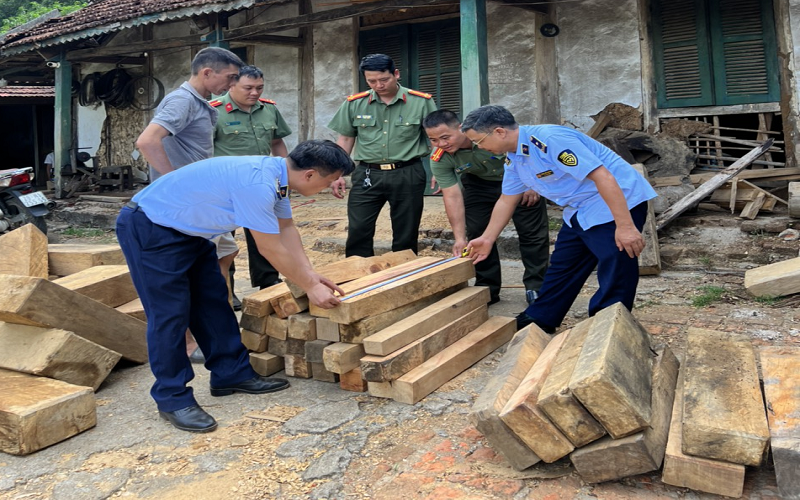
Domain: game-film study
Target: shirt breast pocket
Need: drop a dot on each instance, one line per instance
(408, 129)
(232, 132)
(363, 122)
(266, 131)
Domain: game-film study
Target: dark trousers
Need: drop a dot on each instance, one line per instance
(178, 280)
(577, 253)
(533, 233)
(262, 273)
(403, 189)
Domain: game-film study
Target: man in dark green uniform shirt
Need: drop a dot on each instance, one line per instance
(382, 128)
(469, 212)
(250, 125)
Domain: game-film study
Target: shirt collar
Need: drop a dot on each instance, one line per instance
(186, 86)
(401, 95)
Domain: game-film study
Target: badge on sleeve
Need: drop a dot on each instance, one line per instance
(539, 144)
(508, 161)
(526, 151)
(282, 191)
(568, 158)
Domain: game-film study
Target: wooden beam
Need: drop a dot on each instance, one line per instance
(650, 258)
(266, 364)
(23, 251)
(775, 280)
(342, 357)
(63, 119)
(69, 258)
(109, 285)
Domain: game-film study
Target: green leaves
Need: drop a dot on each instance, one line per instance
(18, 12)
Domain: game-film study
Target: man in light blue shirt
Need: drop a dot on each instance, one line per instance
(165, 233)
(605, 206)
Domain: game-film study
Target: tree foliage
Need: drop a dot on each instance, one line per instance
(17, 12)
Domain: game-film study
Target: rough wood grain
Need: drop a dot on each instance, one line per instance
(133, 308)
(794, 199)
(327, 330)
(380, 389)
(256, 324)
(109, 285)
(254, 341)
(68, 258)
(780, 278)
(266, 364)
(23, 252)
(286, 305)
(650, 258)
(342, 357)
(277, 328)
(302, 326)
(296, 366)
(319, 372)
(353, 381)
(314, 350)
(258, 303)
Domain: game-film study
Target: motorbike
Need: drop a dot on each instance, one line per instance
(19, 203)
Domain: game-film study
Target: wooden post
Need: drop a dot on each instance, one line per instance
(474, 59)
(63, 118)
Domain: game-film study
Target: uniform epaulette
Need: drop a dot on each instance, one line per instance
(268, 101)
(360, 95)
(437, 154)
(216, 102)
(420, 94)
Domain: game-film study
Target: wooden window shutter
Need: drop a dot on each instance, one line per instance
(436, 51)
(744, 52)
(682, 53)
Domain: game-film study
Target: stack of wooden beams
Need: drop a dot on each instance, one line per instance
(56, 347)
(600, 394)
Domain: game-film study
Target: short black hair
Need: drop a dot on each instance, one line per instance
(215, 58)
(376, 62)
(324, 156)
(250, 72)
(487, 118)
(441, 117)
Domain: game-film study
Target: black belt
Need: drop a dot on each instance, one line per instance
(390, 166)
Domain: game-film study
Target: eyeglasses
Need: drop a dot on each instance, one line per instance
(482, 138)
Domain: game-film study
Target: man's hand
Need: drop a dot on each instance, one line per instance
(321, 294)
(459, 247)
(434, 186)
(529, 198)
(479, 249)
(630, 240)
(338, 187)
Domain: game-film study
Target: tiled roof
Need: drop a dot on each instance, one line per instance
(105, 16)
(27, 91)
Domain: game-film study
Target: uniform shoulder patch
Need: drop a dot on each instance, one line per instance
(568, 158)
(420, 94)
(360, 95)
(539, 144)
(268, 101)
(215, 103)
(437, 154)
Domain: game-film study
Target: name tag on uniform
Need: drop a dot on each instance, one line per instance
(546, 173)
(364, 117)
(234, 123)
(461, 168)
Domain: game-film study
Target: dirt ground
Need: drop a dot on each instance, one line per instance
(384, 449)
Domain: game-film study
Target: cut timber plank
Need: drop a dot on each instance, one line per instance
(425, 321)
(254, 341)
(256, 324)
(278, 347)
(708, 187)
(614, 370)
(36, 412)
(400, 362)
(356, 332)
(342, 357)
(780, 278)
(650, 258)
(68, 258)
(54, 353)
(297, 366)
(701, 474)
(557, 401)
(319, 372)
(608, 459)
(781, 369)
(23, 252)
(258, 303)
(133, 308)
(296, 346)
(277, 328)
(109, 285)
(601, 121)
(432, 374)
(521, 353)
(327, 330)
(353, 381)
(302, 326)
(403, 291)
(38, 302)
(527, 421)
(285, 305)
(380, 389)
(723, 415)
(266, 364)
(750, 210)
(314, 350)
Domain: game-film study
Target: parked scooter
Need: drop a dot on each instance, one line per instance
(19, 203)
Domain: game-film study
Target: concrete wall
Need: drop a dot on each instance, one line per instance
(598, 58)
(335, 72)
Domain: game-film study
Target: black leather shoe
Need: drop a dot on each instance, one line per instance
(256, 385)
(494, 300)
(191, 419)
(237, 304)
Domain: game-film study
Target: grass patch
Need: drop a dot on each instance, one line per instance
(767, 300)
(555, 223)
(83, 232)
(708, 295)
(705, 262)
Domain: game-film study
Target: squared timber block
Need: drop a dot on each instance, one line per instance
(285, 305)
(380, 389)
(302, 326)
(54, 353)
(357, 332)
(314, 350)
(342, 357)
(110, 285)
(609, 459)
(780, 278)
(69, 258)
(723, 416)
(36, 412)
(296, 366)
(327, 330)
(449, 363)
(38, 302)
(352, 381)
(650, 258)
(258, 303)
(697, 473)
(417, 325)
(133, 308)
(296, 346)
(319, 372)
(781, 369)
(558, 402)
(277, 327)
(402, 361)
(521, 353)
(266, 364)
(527, 421)
(256, 324)
(254, 341)
(23, 252)
(612, 377)
(278, 347)
(401, 292)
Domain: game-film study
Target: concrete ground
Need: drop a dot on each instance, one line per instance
(316, 441)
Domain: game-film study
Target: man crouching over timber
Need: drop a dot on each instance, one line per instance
(165, 233)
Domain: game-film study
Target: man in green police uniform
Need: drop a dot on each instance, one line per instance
(469, 212)
(250, 125)
(385, 126)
